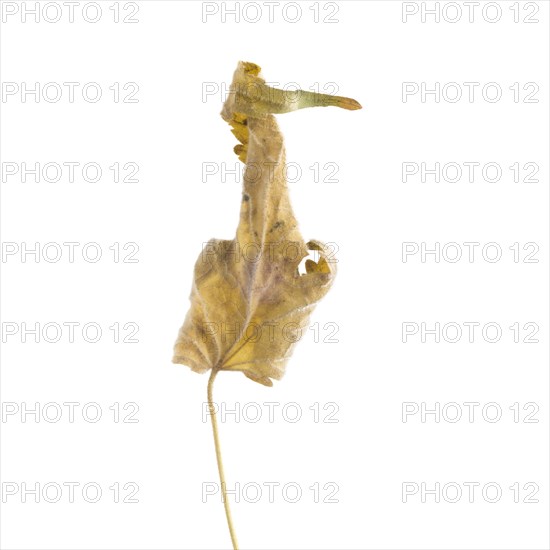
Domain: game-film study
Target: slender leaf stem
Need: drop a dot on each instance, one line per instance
(219, 458)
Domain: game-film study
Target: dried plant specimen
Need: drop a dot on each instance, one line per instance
(252, 283)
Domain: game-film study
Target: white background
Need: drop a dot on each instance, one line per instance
(174, 52)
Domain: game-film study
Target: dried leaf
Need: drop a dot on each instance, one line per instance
(248, 292)
(249, 300)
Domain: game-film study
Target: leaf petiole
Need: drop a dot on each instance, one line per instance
(219, 457)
